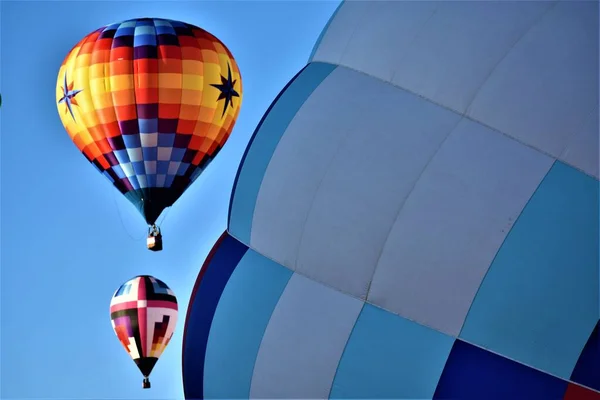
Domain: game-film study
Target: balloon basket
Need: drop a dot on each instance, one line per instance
(146, 383)
(154, 242)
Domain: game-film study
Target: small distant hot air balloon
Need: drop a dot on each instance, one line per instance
(149, 102)
(143, 313)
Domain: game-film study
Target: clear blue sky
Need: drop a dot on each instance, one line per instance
(68, 238)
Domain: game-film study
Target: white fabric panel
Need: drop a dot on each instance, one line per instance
(452, 225)
(304, 341)
(528, 69)
(299, 164)
(443, 51)
(582, 151)
(378, 48)
(461, 44)
(387, 145)
(340, 31)
(546, 87)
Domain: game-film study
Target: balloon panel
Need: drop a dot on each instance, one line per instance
(143, 314)
(483, 60)
(149, 102)
(275, 333)
(442, 242)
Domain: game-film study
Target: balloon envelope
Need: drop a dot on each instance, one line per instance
(143, 313)
(416, 216)
(149, 102)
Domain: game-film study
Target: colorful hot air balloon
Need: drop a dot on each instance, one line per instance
(149, 102)
(143, 313)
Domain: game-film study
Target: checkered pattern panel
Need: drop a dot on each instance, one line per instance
(149, 102)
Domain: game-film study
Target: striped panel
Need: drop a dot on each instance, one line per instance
(239, 323)
(215, 272)
(254, 332)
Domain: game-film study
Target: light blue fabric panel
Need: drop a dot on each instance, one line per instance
(539, 300)
(389, 357)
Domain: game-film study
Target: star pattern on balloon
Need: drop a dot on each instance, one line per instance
(69, 96)
(227, 90)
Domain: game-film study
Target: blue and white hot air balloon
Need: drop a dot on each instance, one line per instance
(416, 215)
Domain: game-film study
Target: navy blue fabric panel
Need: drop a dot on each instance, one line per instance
(474, 373)
(211, 282)
(587, 369)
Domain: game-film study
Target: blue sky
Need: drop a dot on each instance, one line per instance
(68, 239)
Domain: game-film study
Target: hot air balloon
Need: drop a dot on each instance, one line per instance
(416, 216)
(149, 102)
(143, 313)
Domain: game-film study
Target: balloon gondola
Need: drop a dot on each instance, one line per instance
(149, 102)
(154, 240)
(143, 313)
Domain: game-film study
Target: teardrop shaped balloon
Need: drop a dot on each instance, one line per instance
(149, 102)
(143, 313)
